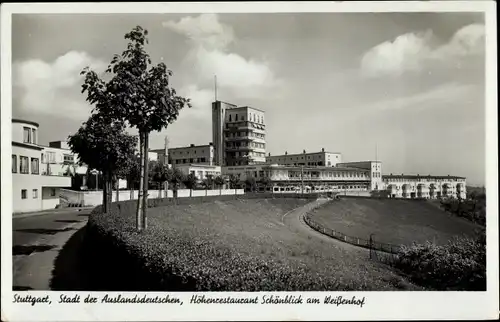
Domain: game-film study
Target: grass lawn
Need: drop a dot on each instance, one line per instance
(399, 222)
(229, 239)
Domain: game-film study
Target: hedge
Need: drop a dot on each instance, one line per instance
(121, 259)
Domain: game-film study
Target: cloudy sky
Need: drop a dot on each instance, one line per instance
(412, 84)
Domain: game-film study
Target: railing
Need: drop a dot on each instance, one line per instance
(366, 243)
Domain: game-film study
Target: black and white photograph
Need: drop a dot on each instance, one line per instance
(249, 162)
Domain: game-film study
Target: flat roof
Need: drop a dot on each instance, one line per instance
(181, 147)
(25, 121)
(54, 147)
(417, 176)
(360, 162)
(294, 154)
(296, 167)
(29, 146)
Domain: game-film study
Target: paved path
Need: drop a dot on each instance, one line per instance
(37, 241)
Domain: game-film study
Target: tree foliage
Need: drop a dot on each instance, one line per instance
(138, 94)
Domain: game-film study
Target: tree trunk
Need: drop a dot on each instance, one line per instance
(104, 196)
(139, 212)
(190, 193)
(117, 189)
(146, 181)
(131, 187)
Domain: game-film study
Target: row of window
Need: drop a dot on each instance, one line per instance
(24, 193)
(245, 144)
(421, 180)
(376, 175)
(297, 174)
(191, 160)
(187, 152)
(245, 124)
(252, 118)
(29, 135)
(24, 165)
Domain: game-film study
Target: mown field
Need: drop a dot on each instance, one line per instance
(243, 245)
(398, 222)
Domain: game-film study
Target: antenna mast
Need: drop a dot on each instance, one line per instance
(215, 84)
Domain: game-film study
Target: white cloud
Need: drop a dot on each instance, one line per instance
(53, 88)
(413, 52)
(210, 56)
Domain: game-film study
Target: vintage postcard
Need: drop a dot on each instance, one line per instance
(249, 161)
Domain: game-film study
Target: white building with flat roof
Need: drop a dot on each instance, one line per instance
(322, 158)
(32, 188)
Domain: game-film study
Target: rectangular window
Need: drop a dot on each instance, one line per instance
(35, 166)
(27, 135)
(68, 158)
(24, 194)
(33, 136)
(14, 163)
(51, 157)
(52, 192)
(23, 165)
(35, 193)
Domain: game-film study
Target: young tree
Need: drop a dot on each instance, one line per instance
(207, 183)
(265, 182)
(234, 182)
(159, 175)
(176, 177)
(133, 174)
(140, 95)
(219, 181)
(250, 183)
(190, 182)
(104, 146)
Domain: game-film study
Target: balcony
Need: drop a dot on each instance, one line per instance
(55, 181)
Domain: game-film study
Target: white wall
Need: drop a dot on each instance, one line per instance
(94, 198)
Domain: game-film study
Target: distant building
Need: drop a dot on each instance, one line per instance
(374, 168)
(33, 188)
(238, 134)
(428, 187)
(193, 154)
(201, 171)
(304, 178)
(322, 158)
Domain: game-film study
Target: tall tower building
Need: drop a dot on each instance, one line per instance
(218, 116)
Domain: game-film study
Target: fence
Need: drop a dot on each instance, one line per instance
(378, 251)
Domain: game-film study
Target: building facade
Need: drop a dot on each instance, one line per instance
(328, 159)
(33, 189)
(193, 154)
(239, 134)
(304, 178)
(427, 187)
(201, 171)
(374, 168)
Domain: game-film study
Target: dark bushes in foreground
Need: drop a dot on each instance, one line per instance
(458, 265)
(157, 260)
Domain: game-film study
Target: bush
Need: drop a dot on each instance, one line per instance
(458, 265)
(173, 256)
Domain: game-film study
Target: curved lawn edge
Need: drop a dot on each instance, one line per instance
(356, 241)
(127, 264)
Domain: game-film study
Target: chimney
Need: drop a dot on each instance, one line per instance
(322, 149)
(286, 152)
(192, 145)
(269, 153)
(304, 151)
(211, 143)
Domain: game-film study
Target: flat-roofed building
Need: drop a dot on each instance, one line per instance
(374, 168)
(201, 171)
(285, 178)
(424, 186)
(322, 158)
(193, 154)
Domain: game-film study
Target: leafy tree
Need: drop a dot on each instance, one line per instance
(234, 182)
(159, 175)
(251, 184)
(219, 182)
(138, 94)
(207, 183)
(103, 145)
(265, 182)
(176, 177)
(190, 182)
(133, 174)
